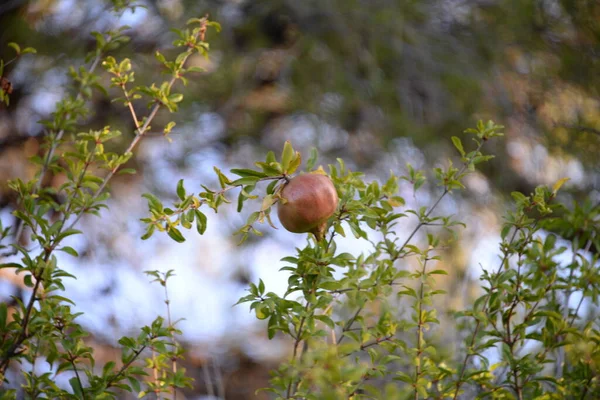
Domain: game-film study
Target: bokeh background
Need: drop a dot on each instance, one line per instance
(379, 83)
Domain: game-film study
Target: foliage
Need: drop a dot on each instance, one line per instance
(361, 325)
(44, 330)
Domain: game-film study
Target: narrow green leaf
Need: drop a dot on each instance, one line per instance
(248, 172)
(76, 386)
(286, 156)
(249, 180)
(200, 222)
(180, 190)
(559, 184)
(69, 250)
(10, 265)
(458, 145)
(153, 202)
(312, 159)
(295, 163)
(176, 235)
(16, 47)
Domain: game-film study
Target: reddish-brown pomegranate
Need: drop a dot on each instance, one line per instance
(309, 200)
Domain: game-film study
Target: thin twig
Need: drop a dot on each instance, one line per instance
(298, 339)
(561, 352)
(23, 333)
(586, 387)
(48, 160)
(574, 316)
(131, 110)
(115, 378)
(175, 343)
(72, 361)
(420, 323)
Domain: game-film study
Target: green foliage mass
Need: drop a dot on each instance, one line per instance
(360, 325)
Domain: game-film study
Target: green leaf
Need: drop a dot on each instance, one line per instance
(108, 367)
(248, 172)
(180, 190)
(195, 69)
(249, 180)
(504, 231)
(438, 272)
(559, 184)
(268, 201)
(295, 163)
(262, 312)
(176, 235)
(149, 232)
(153, 202)
(69, 250)
(223, 180)
(176, 97)
(286, 156)
(458, 145)
(272, 327)
(518, 197)
(312, 160)
(215, 25)
(16, 47)
(76, 386)
(270, 157)
(200, 222)
(135, 383)
(271, 187)
(10, 265)
(28, 281)
(326, 320)
(338, 229)
(240, 203)
(127, 171)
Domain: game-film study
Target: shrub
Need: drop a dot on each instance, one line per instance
(360, 325)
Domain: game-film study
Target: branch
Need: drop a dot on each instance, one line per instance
(298, 339)
(114, 379)
(23, 333)
(72, 361)
(142, 130)
(412, 234)
(48, 160)
(484, 310)
(5, 360)
(420, 323)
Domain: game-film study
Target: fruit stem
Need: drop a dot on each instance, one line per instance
(319, 231)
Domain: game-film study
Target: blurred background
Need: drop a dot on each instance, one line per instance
(379, 83)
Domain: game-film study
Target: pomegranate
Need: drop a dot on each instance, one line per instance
(308, 202)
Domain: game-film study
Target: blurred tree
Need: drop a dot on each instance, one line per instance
(377, 82)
